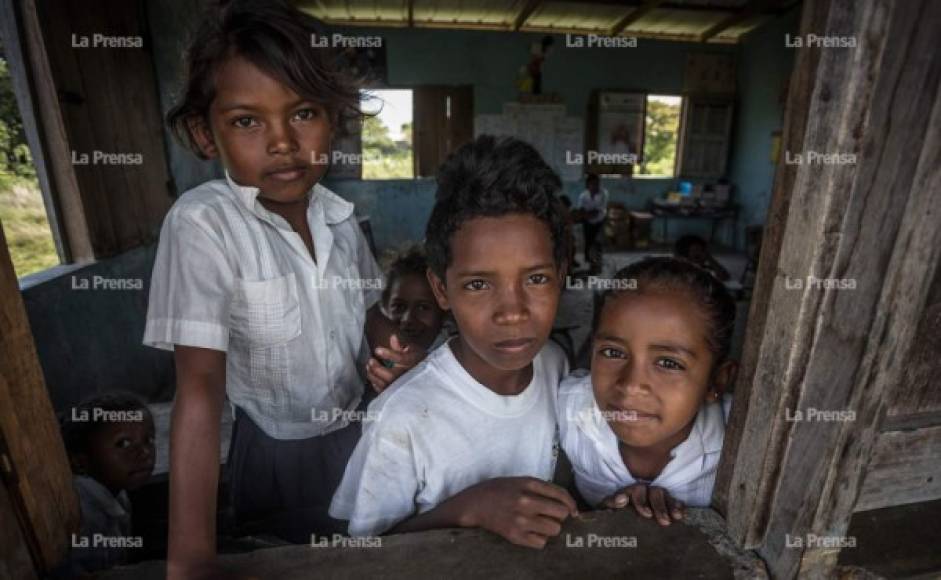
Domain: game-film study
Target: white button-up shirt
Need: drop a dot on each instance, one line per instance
(592, 447)
(232, 276)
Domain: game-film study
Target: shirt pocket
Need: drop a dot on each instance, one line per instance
(266, 312)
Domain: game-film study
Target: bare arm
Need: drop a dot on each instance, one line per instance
(524, 510)
(194, 460)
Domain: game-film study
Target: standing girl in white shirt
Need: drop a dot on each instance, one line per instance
(646, 426)
(263, 284)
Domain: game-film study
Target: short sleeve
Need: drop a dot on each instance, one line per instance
(191, 288)
(380, 484)
(368, 269)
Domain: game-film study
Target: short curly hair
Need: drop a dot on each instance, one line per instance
(492, 177)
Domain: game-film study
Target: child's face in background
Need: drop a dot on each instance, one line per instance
(121, 455)
(266, 135)
(652, 367)
(413, 308)
(502, 287)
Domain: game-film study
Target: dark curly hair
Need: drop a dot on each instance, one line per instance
(77, 433)
(491, 177)
(410, 262)
(275, 37)
(663, 274)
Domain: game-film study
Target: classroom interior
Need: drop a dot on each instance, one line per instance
(728, 78)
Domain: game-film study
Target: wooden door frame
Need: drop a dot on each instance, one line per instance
(782, 481)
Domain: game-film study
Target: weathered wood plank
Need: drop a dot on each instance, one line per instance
(920, 392)
(905, 467)
(801, 86)
(830, 348)
(39, 476)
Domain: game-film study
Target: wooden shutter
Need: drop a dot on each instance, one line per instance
(444, 120)
(705, 133)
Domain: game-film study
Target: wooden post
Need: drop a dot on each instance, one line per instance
(33, 463)
(856, 257)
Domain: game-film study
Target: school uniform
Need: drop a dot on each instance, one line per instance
(232, 276)
(592, 447)
(437, 431)
(105, 530)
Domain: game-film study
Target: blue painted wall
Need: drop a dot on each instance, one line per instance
(764, 67)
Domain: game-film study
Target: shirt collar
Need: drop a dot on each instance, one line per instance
(704, 438)
(99, 495)
(335, 209)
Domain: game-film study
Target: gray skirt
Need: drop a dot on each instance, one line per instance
(284, 487)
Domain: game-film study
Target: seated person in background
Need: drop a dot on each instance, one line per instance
(695, 249)
(646, 426)
(110, 443)
(418, 321)
(468, 438)
(593, 203)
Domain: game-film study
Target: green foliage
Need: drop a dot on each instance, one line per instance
(662, 127)
(384, 158)
(15, 158)
(22, 211)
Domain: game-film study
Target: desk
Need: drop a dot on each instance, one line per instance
(713, 214)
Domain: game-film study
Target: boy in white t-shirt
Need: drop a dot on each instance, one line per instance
(468, 438)
(646, 426)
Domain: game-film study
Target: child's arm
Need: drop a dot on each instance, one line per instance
(400, 359)
(524, 510)
(194, 443)
(648, 501)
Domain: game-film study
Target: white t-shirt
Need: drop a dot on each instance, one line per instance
(590, 203)
(437, 431)
(232, 276)
(592, 447)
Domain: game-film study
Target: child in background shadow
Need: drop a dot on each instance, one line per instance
(419, 323)
(645, 428)
(695, 249)
(110, 443)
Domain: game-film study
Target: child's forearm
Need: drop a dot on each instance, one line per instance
(194, 457)
(451, 513)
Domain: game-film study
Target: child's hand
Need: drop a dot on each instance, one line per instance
(524, 510)
(402, 359)
(648, 501)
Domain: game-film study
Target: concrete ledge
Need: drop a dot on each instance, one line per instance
(697, 548)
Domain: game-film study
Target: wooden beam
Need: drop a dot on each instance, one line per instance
(751, 9)
(33, 464)
(634, 15)
(525, 13)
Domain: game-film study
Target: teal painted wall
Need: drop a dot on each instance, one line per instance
(764, 67)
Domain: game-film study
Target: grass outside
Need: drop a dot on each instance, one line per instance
(23, 215)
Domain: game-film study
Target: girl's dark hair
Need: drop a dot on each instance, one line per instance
(678, 275)
(275, 37)
(411, 263)
(77, 431)
(491, 177)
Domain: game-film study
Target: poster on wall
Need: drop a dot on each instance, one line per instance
(620, 132)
